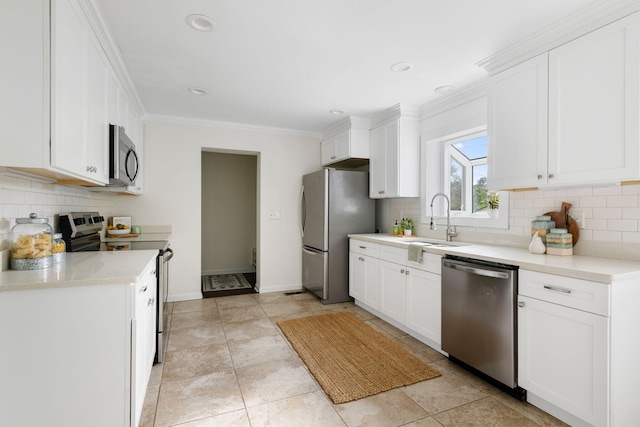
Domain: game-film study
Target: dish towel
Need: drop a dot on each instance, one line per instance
(415, 252)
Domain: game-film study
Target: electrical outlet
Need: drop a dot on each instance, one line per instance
(274, 214)
(579, 218)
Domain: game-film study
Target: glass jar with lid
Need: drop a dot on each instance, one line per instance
(31, 243)
(58, 248)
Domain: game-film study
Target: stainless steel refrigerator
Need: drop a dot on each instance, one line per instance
(333, 204)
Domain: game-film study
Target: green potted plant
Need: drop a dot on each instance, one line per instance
(491, 202)
(407, 226)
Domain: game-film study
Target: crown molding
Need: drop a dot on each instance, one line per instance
(342, 125)
(396, 112)
(587, 19)
(159, 118)
(463, 95)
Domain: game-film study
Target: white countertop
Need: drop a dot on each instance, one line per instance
(82, 269)
(603, 270)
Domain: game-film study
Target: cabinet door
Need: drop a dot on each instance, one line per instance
(563, 358)
(377, 164)
(97, 143)
(328, 149)
(594, 113)
(424, 304)
(343, 146)
(517, 118)
(391, 160)
(364, 279)
(393, 290)
(357, 275)
(69, 51)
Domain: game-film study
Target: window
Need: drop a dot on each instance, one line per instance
(466, 172)
(456, 165)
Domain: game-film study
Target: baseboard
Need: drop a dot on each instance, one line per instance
(278, 288)
(228, 271)
(185, 297)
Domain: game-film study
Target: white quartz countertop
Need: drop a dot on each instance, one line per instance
(603, 270)
(82, 269)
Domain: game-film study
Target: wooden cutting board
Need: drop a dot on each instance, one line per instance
(564, 220)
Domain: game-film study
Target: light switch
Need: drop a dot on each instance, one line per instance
(274, 214)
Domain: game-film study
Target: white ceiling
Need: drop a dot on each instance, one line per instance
(285, 63)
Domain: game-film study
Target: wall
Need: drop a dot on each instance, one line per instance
(21, 196)
(172, 195)
(228, 212)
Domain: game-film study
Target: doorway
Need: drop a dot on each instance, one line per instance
(229, 223)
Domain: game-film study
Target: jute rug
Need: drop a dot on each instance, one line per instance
(223, 282)
(351, 360)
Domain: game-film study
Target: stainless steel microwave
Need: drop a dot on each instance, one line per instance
(123, 159)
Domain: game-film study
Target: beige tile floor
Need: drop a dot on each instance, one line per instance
(227, 364)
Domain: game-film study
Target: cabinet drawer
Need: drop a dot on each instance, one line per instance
(393, 254)
(364, 248)
(575, 293)
(429, 262)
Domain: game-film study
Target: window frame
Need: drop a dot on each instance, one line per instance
(459, 218)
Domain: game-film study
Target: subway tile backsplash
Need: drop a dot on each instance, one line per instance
(19, 197)
(611, 218)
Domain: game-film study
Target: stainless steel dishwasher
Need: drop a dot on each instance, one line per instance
(479, 324)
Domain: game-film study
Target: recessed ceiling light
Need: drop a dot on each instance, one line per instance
(201, 22)
(336, 112)
(441, 90)
(401, 67)
(198, 91)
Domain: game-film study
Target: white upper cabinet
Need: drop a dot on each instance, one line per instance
(346, 143)
(570, 116)
(394, 168)
(594, 106)
(517, 118)
(57, 98)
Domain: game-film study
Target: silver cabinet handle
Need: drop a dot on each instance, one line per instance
(381, 192)
(402, 271)
(362, 247)
(557, 289)
(143, 290)
(406, 272)
(333, 157)
(539, 176)
(361, 259)
(550, 175)
(520, 304)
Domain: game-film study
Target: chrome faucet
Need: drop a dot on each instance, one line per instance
(451, 230)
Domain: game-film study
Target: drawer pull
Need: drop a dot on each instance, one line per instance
(557, 289)
(143, 290)
(362, 247)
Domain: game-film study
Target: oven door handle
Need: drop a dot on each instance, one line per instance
(478, 271)
(166, 257)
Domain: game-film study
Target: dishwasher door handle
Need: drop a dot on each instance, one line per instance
(478, 271)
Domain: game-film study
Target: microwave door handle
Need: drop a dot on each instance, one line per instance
(126, 165)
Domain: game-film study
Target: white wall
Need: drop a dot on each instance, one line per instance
(172, 180)
(229, 212)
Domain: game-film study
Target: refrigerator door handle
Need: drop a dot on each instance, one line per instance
(303, 212)
(312, 252)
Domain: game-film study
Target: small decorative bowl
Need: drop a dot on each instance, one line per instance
(116, 232)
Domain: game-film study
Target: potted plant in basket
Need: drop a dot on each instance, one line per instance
(407, 226)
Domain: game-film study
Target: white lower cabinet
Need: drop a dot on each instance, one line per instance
(364, 280)
(393, 290)
(81, 354)
(405, 293)
(563, 350)
(424, 304)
